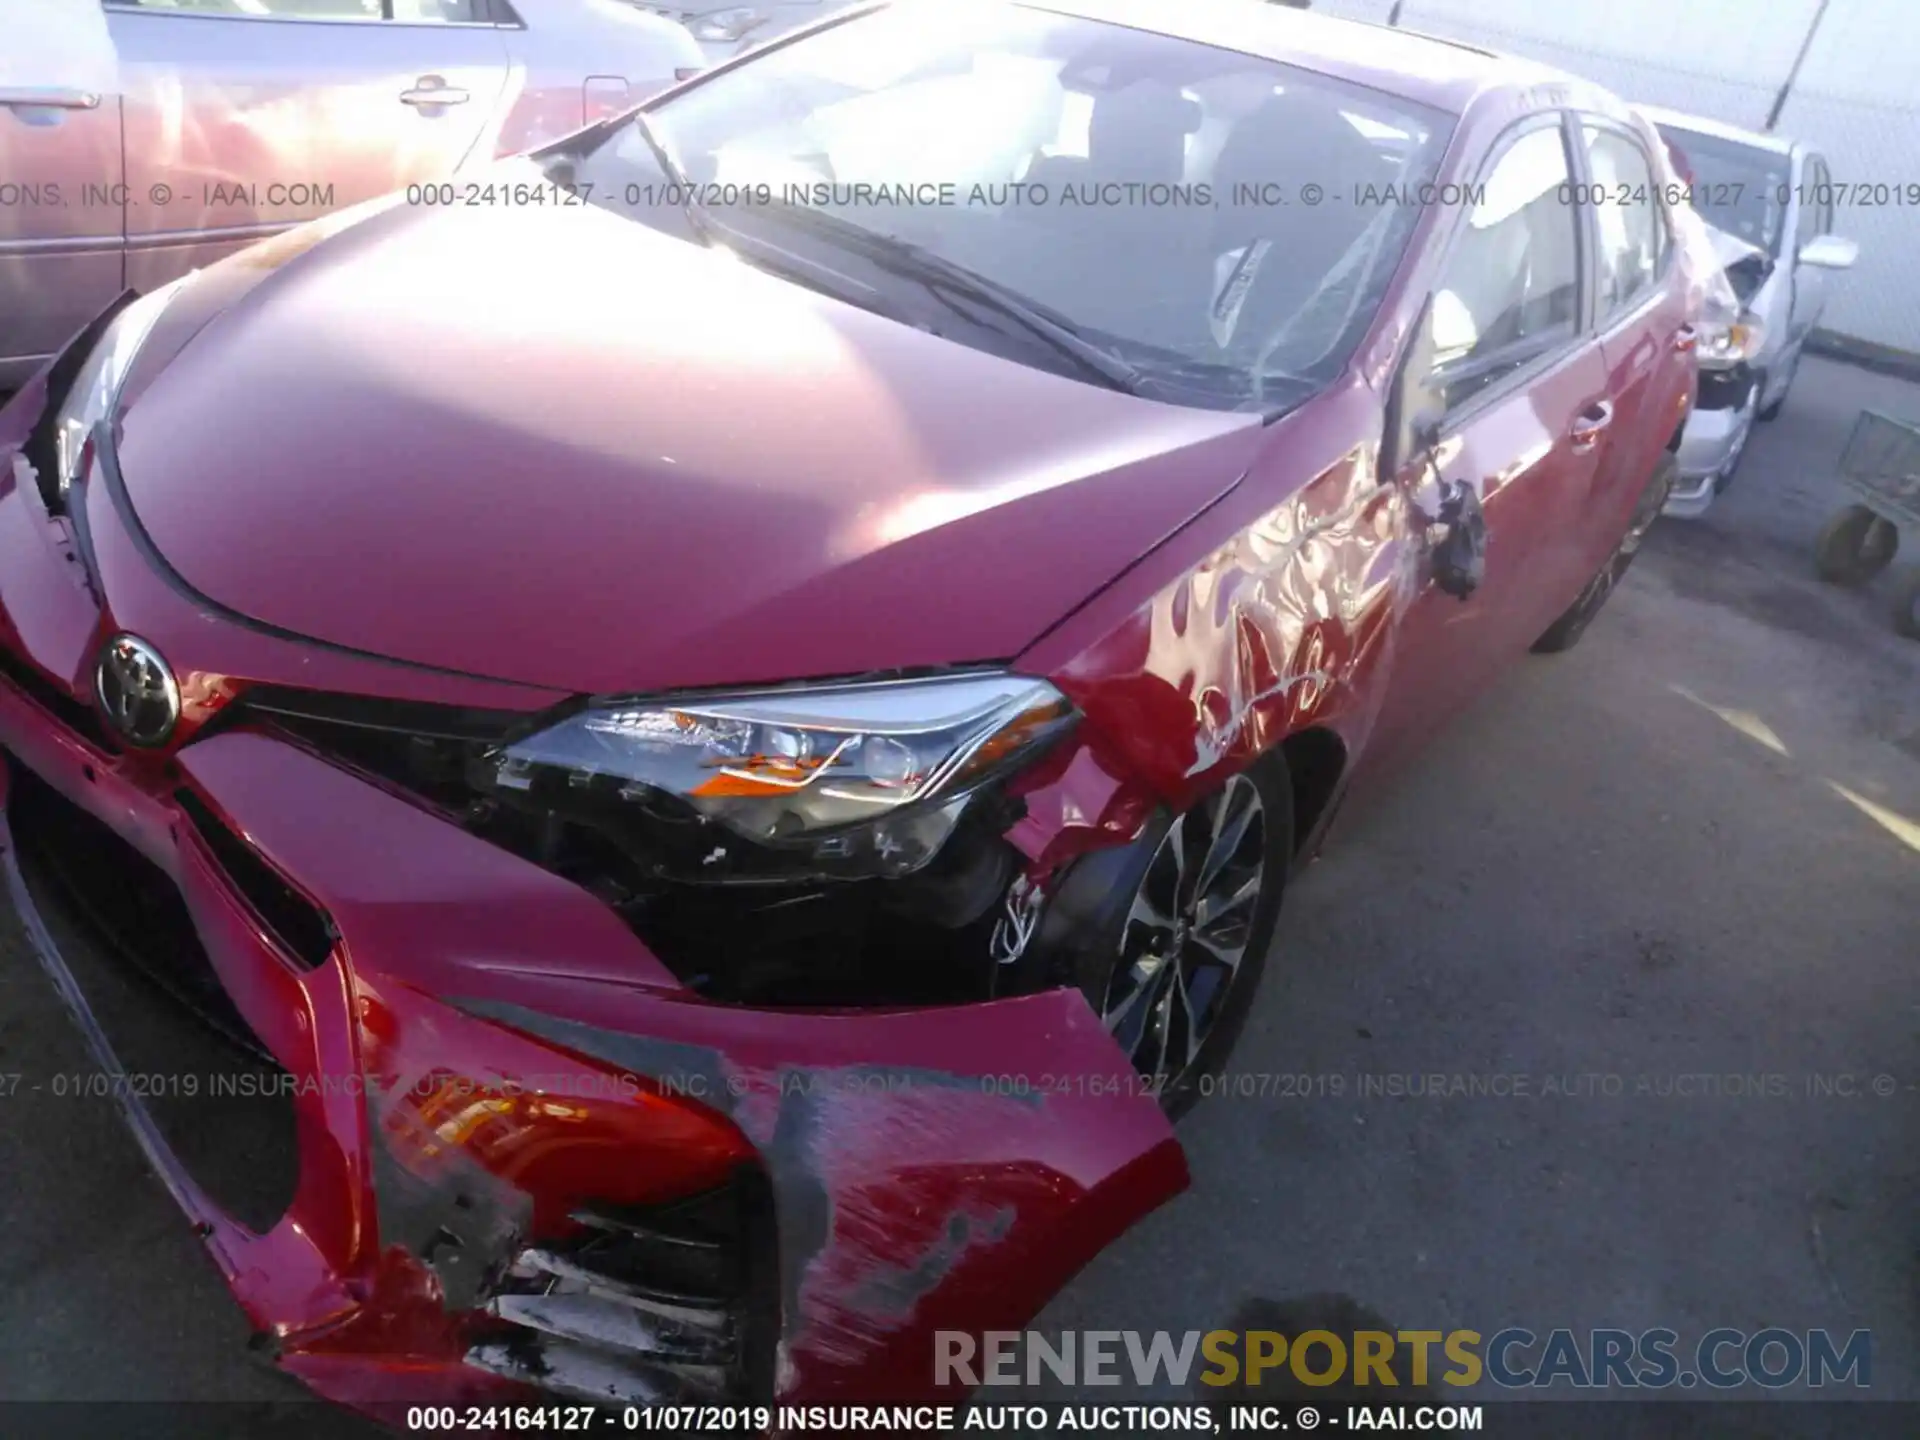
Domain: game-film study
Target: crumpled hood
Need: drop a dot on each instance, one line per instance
(551, 445)
(1746, 265)
(1730, 249)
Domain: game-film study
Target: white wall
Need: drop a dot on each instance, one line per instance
(1857, 98)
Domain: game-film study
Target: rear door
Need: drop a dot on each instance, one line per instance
(60, 172)
(1641, 315)
(246, 116)
(1521, 386)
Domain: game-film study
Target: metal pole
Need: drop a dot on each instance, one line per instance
(1393, 15)
(1806, 44)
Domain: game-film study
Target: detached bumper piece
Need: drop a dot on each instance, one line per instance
(646, 1305)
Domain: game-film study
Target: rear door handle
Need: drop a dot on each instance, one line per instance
(433, 90)
(49, 98)
(1685, 338)
(1587, 427)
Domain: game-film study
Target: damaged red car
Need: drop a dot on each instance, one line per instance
(724, 721)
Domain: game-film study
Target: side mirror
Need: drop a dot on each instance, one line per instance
(1458, 541)
(1829, 252)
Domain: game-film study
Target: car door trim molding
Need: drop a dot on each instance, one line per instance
(130, 7)
(166, 239)
(106, 242)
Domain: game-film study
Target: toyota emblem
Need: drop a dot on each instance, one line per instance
(137, 691)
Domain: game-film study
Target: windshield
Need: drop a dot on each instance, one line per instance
(1738, 188)
(1222, 226)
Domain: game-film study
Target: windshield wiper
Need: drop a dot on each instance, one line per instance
(697, 218)
(936, 272)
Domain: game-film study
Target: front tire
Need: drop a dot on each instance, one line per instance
(1565, 632)
(1172, 959)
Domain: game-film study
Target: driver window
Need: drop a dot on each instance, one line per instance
(1512, 284)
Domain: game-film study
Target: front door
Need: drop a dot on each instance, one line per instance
(1522, 390)
(244, 117)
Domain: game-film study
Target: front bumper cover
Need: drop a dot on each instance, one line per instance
(1711, 439)
(928, 1170)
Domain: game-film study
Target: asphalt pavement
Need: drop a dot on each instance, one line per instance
(1688, 848)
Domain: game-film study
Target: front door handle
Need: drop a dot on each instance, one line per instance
(35, 98)
(430, 90)
(1591, 423)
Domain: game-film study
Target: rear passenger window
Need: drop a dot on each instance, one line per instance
(1632, 226)
(1512, 286)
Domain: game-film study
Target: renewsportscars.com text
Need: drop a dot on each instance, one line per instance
(1513, 1358)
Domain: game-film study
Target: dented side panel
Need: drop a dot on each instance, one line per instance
(1285, 622)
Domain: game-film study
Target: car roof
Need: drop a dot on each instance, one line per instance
(1443, 74)
(1716, 129)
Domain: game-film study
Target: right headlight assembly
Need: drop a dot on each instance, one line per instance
(841, 780)
(1727, 344)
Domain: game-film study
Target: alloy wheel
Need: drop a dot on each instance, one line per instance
(1187, 932)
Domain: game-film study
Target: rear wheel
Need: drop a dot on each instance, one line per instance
(1565, 632)
(1854, 546)
(1174, 976)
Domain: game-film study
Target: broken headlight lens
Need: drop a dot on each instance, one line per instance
(864, 779)
(96, 388)
(1724, 346)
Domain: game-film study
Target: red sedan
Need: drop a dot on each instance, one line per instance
(724, 714)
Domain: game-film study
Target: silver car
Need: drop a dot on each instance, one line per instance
(726, 28)
(146, 138)
(1771, 199)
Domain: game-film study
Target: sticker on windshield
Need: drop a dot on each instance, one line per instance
(1234, 272)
